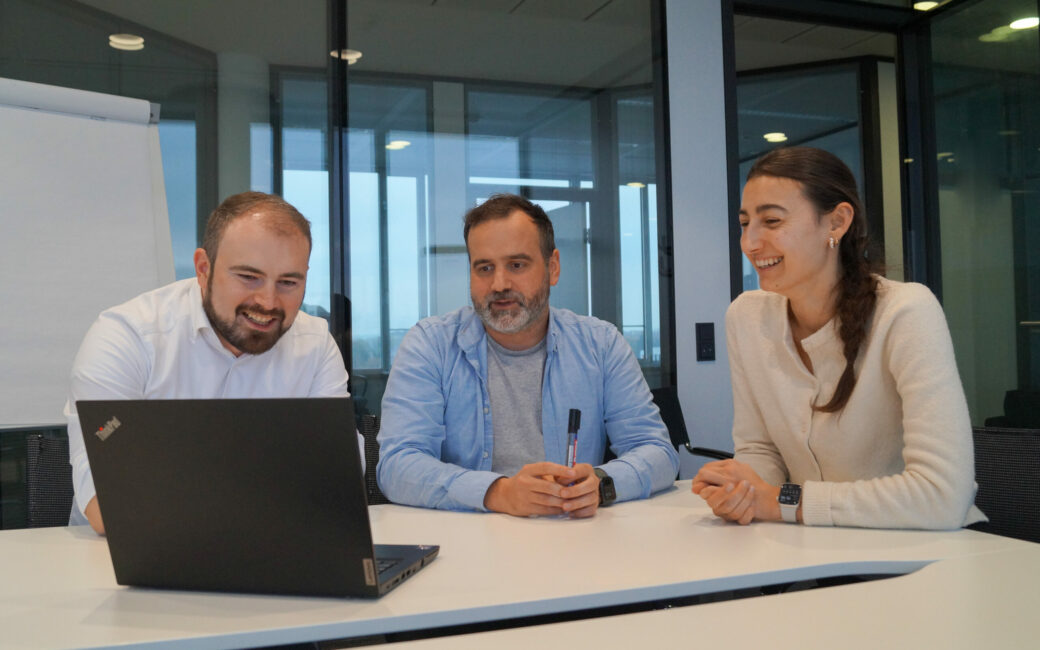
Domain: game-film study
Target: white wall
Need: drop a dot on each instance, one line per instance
(700, 216)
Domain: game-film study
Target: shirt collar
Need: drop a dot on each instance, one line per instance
(199, 320)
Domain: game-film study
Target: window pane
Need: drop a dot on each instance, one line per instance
(197, 57)
(816, 107)
(987, 131)
(493, 117)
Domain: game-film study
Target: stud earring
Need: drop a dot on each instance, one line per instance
(833, 243)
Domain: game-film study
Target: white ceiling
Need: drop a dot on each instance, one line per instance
(767, 43)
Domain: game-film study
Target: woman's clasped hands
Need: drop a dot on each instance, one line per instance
(735, 492)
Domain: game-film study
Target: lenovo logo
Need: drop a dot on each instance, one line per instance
(104, 432)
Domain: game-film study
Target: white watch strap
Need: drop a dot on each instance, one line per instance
(789, 511)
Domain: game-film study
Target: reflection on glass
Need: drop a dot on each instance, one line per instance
(366, 288)
(489, 118)
(177, 142)
(816, 107)
(988, 157)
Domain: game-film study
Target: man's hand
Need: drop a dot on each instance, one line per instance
(545, 489)
(736, 492)
(581, 496)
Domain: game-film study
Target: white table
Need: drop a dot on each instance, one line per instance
(979, 601)
(58, 589)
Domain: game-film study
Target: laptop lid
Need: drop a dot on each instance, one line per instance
(242, 495)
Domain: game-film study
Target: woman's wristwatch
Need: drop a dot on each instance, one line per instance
(789, 500)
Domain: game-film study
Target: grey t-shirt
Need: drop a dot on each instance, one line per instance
(515, 389)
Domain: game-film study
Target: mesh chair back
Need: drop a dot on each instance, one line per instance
(1007, 469)
(48, 481)
(369, 427)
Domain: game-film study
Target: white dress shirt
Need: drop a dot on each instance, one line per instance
(161, 345)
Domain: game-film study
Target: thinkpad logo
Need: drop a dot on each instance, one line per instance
(104, 432)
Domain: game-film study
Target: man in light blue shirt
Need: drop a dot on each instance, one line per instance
(476, 408)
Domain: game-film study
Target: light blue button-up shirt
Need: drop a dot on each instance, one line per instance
(436, 434)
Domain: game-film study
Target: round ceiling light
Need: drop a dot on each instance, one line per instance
(925, 6)
(775, 137)
(350, 56)
(397, 145)
(1025, 23)
(128, 42)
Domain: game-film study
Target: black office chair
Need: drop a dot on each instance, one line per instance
(1007, 469)
(368, 425)
(1021, 411)
(667, 400)
(48, 481)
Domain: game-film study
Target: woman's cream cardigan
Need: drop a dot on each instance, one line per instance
(899, 455)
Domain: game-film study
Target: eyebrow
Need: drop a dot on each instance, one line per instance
(296, 275)
(514, 256)
(765, 206)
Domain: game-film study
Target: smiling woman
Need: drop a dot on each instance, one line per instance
(848, 409)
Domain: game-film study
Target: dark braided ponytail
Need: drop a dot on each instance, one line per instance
(826, 181)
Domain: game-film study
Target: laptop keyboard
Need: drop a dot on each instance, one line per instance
(385, 564)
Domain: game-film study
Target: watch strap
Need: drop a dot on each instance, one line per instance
(607, 494)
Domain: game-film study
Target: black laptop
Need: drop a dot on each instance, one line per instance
(239, 495)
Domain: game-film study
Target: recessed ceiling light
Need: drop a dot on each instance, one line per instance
(775, 137)
(1009, 132)
(397, 145)
(943, 154)
(925, 6)
(636, 184)
(350, 56)
(1025, 23)
(129, 42)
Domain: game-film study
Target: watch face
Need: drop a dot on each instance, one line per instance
(790, 494)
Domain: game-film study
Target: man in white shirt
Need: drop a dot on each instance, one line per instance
(233, 331)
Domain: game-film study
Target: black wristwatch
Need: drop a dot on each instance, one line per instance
(607, 495)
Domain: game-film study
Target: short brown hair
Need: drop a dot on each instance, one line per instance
(238, 205)
(500, 206)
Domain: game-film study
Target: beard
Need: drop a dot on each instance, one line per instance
(243, 339)
(517, 318)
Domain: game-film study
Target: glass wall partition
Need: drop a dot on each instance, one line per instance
(446, 103)
(242, 92)
(986, 78)
(449, 103)
(213, 69)
(836, 90)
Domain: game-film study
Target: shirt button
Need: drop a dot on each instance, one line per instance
(485, 454)
(485, 411)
